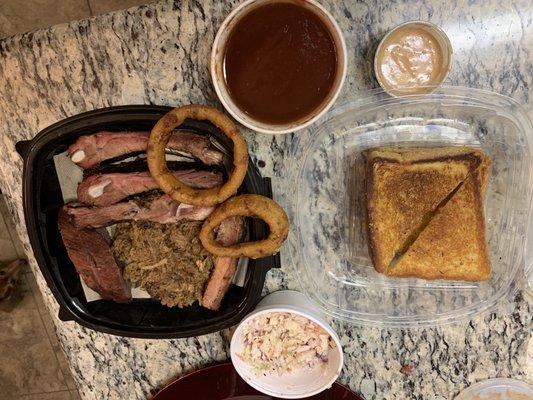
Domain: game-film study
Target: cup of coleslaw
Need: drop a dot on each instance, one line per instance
(285, 348)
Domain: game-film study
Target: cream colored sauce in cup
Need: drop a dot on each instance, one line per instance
(411, 58)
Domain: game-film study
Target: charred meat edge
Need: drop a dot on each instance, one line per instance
(151, 206)
(106, 189)
(90, 252)
(230, 232)
(90, 150)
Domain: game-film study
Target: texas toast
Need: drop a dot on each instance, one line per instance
(452, 245)
(406, 188)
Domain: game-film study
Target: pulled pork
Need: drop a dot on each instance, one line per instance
(166, 260)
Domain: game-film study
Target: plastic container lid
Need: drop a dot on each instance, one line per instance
(497, 389)
(327, 240)
(529, 255)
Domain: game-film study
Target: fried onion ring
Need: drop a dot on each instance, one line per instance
(157, 163)
(247, 205)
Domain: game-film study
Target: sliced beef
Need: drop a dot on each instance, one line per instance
(90, 150)
(230, 232)
(154, 207)
(90, 252)
(140, 164)
(106, 189)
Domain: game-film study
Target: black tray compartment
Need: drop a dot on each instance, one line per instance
(143, 318)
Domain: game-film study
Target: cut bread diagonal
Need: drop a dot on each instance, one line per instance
(406, 190)
(452, 245)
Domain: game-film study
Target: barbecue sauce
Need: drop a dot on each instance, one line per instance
(280, 63)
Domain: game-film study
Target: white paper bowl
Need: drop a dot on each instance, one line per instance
(295, 385)
(217, 68)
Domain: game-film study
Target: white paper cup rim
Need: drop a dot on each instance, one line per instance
(256, 382)
(250, 122)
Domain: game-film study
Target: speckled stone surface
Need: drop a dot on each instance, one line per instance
(159, 54)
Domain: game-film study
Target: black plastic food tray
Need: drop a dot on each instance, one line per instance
(144, 318)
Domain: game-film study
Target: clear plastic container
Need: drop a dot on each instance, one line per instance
(325, 201)
(498, 388)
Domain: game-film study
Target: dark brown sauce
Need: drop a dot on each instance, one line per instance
(280, 63)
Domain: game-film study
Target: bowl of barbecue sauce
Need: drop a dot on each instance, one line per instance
(278, 65)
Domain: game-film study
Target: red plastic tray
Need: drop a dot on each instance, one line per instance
(221, 382)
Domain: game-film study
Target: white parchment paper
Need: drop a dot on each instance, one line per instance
(69, 175)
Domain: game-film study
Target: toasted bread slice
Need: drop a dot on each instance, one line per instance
(452, 246)
(404, 188)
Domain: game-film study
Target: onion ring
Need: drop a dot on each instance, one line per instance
(247, 205)
(157, 163)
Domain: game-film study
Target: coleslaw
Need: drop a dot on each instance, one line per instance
(282, 342)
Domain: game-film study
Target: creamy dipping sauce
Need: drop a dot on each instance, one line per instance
(280, 62)
(410, 57)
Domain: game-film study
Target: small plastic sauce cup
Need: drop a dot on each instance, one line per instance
(413, 58)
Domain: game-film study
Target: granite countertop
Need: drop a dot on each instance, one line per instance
(159, 54)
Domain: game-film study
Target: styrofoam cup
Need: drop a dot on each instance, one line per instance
(297, 384)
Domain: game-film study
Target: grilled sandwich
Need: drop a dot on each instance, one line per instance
(421, 200)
